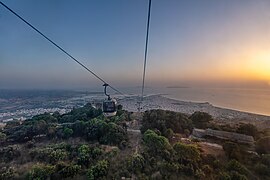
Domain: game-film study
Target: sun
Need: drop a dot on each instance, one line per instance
(259, 65)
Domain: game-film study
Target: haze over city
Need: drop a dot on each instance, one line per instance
(191, 43)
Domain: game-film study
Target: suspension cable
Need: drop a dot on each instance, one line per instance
(60, 48)
(146, 48)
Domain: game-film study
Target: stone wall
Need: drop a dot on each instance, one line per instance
(223, 135)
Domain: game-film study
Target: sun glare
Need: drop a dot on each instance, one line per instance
(260, 66)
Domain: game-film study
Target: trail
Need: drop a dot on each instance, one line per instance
(134, 132)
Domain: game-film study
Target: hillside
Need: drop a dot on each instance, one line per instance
(155, 144)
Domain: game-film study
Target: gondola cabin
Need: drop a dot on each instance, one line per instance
(109, 107)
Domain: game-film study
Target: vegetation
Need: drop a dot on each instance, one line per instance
(165, 121)
(201, 119)
(83, 144)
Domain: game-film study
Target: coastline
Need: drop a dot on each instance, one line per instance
(221, 115)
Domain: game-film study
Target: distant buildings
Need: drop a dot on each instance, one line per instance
(24, 114)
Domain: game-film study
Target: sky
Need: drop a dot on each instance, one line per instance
(191, 43)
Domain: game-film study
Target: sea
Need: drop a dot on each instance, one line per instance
(23, 104)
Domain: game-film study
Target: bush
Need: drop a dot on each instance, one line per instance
(6, 173)
(9, 153)
(82, 114)
(223, 176)
(96, 152)
(49, 154)
(163, 120)
(156, 145)
(266, 159)
(248, 129)
(263, 145)
(201, 119)
(84, 155)
(136, 163)
(41, 172)
(70, 171)
(234, 165)
(236, 176)
(2, 137)
(186, 154)
(232, 150)
(67, 133)
(262, 170)
(98, 171)
(169, 170)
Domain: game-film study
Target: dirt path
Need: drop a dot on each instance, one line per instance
(134, 132)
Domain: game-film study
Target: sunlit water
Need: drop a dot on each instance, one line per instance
(248, 100)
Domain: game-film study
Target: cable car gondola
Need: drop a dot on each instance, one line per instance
(109, 105)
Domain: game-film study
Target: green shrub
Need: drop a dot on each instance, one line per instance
(237, 176)
(40, 172)
(232, 150)
(263, 145)
(6, 173)
(248, 129)
(223, 176)
(70, 171)
(156, 145)
(201, 119)
(136, 163)
(185, 153)
(266, 159)
(84, 155)
(163, 120)
(99, 170)
(262, 170)
(3, 137)
(234, 165)
(67, 133)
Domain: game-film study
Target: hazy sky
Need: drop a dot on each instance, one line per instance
(192, 42)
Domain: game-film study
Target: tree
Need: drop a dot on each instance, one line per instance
(185, 153)
(155, 144)
(232, 150)
(7, 173)
(79, 128)
(236, 166)
(96, 152)
(82, 114)
(51, 130)
(99, 170)
(169, 133)
(237, 176)
(136, 163)
(201, 119)
(3, 137)
(266, 159)
(12, 124)
(40, 172)
(67, 133)
(9, 153)
(262, 169)
(39, 127)
(263, 145)
(248, 129)
(70, 171)
(84, 155)
(163, 120)
(47, 117)
(113, 134)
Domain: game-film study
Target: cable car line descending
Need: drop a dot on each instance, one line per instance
(146, 50)
(64, 51)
